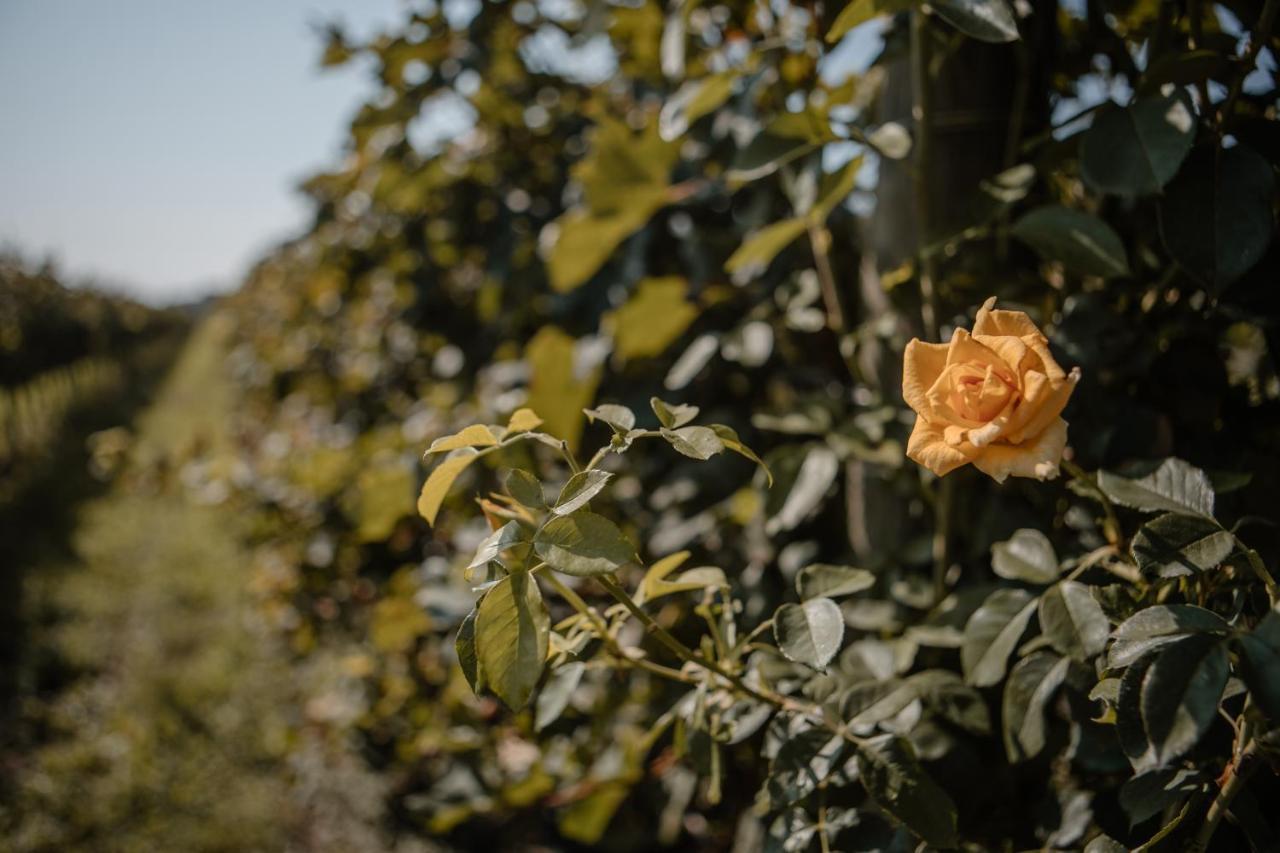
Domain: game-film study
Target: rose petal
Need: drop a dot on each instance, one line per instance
(1038, 458)
(922, 363)
(1012, 351)
(929, 447)
(993, 322)
(1043, 402)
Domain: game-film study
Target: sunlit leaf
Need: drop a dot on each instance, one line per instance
(655, 316)
(556, 693)
(1180, 694)
(672, 417)
(859, 12)
(557, 386)
(1175, 486)
(760, 248)
(437, 485)
(477, 435)
(1173, 544)
(1032, 683)
(580, 489)
(696, 442)
(1155, 626)
(512, 634)
(583, 544)
(809, 633)
(985, 20)
(1027, 555)
(523, 420)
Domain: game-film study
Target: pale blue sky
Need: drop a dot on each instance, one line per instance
(156, 144)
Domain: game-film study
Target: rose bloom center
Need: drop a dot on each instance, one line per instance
(980, 392)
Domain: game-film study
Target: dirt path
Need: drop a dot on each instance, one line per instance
(174, 725)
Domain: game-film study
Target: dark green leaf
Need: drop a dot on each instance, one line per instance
(465, 646)
(1073, 620)
(581, 488)
(895, 780)
(1260, 664)
(1216, 218)
(1153, 627)
(1136, 150)
(1130, 730)
(1025, 556)
(1174, 486)
(832, 581)
(1180, 696)
(1082, 242)
(583, 544)
(985, 20)
(870, 702)
(1184, 68)
(1173, 544)
(991, 634)
(1032, 683)
(801, 763)
(526, 489)
(809, 633)
(1150, 793)
(945, 694)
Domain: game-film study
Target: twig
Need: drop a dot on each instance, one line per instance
(1238, 773)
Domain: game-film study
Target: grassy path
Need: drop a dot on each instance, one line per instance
(172, 722)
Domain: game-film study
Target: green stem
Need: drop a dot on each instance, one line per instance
(682, 651)
(1237, 775)
(1260, 569)
(606, 636)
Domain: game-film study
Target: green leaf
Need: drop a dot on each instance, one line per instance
(526, 489)
(554, 696)
(693, 100)
(809, 633)
(897, 783)
(991, 634)
(1173, 544)
(513, 632)
(1082, 242)
(476, 435)
(1130, 731)
(1073, 620)
(583, 544)
(1032, 683)
(1104, 844)
(509, 534)
(860, 11)
(672, 417)
(1260, 664)
(835, 189)
(1028, 556)
(465, 647)
(585, 241)
(984, 20)
(801, 763)
(619, 418)
(1184, 68)
(1151, 792)
(1216, 219)
(1155, 626)
(729, 438)
(1136, 150)
(867, 703)
(832, 581)
(655, 583)
(655, 316)
(581, 488)
(437, 485)
(758, 250)
(1174, 486)
(1180, 696)
(945, 694)
(696, 442)
(767, 153)
(557, 383)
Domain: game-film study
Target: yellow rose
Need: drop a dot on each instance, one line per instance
(992, 398)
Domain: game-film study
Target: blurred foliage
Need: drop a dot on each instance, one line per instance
(748, 209)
